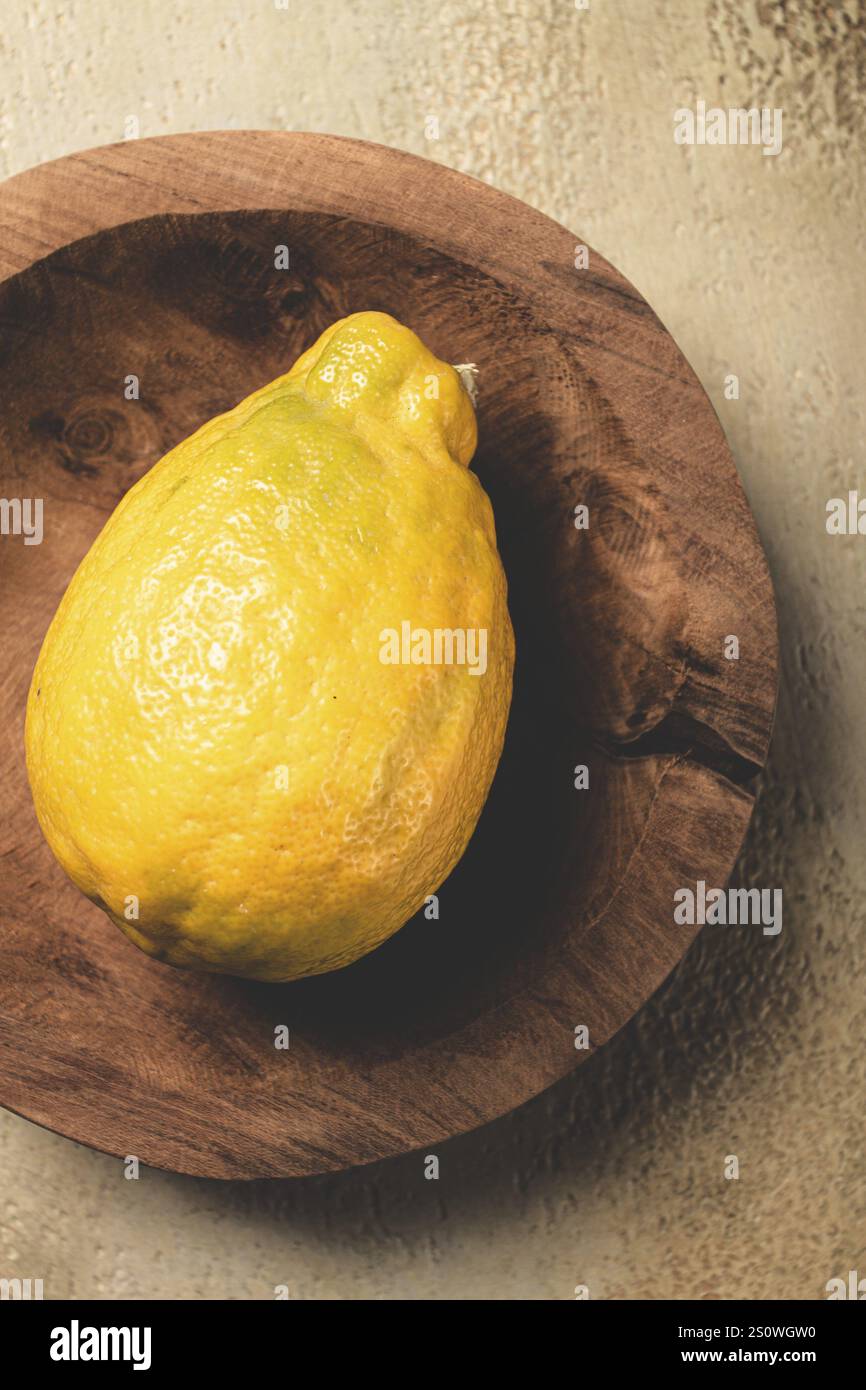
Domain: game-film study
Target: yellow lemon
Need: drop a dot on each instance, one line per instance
(269, 708)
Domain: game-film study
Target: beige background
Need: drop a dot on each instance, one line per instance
(756, 1048)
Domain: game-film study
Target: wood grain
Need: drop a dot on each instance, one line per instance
(156, 258)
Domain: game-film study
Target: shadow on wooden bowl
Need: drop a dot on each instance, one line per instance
(156, 261)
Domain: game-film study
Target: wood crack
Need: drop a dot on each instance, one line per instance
(678, 735)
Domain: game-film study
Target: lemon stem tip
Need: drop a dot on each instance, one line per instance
(468, 373)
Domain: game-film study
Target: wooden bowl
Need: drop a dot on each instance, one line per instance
(156, 259)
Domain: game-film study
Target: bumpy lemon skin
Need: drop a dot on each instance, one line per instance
(217, 754)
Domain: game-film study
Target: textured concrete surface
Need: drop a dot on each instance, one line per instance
(615, 1178)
